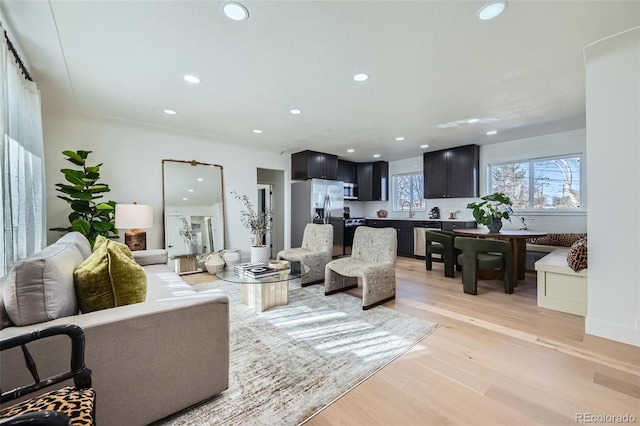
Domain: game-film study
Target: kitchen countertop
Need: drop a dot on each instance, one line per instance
(419, 219)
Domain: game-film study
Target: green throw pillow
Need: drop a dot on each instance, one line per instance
(109, 278)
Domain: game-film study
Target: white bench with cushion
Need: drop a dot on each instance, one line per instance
(559, 287)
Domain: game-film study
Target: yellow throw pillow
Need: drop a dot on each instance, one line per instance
(109, 278)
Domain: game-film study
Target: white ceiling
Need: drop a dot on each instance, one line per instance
(431, 62)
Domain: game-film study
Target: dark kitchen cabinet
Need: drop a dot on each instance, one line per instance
(347, 171)
(404, 229)
(373, 181)
(451, 225)
(314, 165)
(405, 239)
(452, 173)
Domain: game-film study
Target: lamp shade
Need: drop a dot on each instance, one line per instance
(134, 216)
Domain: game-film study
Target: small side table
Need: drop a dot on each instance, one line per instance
(185, 263)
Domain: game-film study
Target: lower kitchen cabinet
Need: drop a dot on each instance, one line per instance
(451, 225)
(404, 228)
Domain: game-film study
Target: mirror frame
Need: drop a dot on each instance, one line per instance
(193, 163)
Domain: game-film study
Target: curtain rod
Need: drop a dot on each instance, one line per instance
(13, 51)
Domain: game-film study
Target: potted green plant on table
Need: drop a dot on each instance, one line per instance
(259, 224)
(491, 209)
(88, 217)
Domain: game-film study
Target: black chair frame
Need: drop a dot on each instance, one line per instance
(78, 370)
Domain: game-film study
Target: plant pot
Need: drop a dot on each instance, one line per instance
(260, 254)
(192, 249)
(495, 226)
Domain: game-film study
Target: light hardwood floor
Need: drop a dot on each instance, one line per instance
(496, 359)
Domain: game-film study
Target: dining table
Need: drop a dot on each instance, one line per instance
(517, 238)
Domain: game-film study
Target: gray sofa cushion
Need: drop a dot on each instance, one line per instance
(150, 257)
(80, 241)
(40, 288)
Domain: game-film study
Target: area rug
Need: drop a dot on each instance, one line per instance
(289, 362)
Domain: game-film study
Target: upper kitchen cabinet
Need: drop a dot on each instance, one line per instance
(314, 165)
(373, 181)
(347, 171)
(452, 173)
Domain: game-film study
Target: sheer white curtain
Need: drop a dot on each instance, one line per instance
(22, 206)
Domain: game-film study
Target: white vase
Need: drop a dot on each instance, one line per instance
(260, 254)
(192, 248)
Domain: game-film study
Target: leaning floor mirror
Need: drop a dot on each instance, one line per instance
(193, 199)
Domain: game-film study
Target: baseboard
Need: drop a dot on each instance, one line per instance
(612, 331)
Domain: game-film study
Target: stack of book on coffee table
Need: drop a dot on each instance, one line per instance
(255, 270)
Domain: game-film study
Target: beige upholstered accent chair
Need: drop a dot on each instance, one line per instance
(373, 261)
(317, 246)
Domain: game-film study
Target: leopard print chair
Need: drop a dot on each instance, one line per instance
(76, 403)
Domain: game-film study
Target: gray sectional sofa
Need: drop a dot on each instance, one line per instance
(148, 360)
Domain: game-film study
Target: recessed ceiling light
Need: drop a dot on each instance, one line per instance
(361, 77)
(170, 112)
(424, 146)
(473, 120)
(257, 131)
(185, 199)
(295, 111)
(492, 10)
(190, 190)
(192, 79)
(235, 11)
(376, 155)
(200, 180)
(399, 138)
(492, 132)
(351, 150)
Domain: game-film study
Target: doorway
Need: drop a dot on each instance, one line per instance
(274, 179)
(265, 193)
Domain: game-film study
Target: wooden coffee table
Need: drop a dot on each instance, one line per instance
(264, 293)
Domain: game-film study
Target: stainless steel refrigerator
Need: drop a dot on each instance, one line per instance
(317, 201)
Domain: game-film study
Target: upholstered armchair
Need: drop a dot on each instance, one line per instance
(317, 246)
(480, 253)
(441, 242)
(373, 261)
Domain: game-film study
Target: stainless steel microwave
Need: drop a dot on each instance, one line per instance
(349, 191)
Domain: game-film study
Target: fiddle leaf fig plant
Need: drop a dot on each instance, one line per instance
(89, 217)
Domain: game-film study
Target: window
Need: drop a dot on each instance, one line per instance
(21, 165)
(408, 190)
(546, 183)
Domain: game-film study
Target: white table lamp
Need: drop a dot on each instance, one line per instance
(134, 217)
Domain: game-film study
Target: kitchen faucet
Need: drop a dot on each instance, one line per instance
(411, 212)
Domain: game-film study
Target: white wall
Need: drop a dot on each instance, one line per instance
(613, 143)
(132, 155)
(572, 142)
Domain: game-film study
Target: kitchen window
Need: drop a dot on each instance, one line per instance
(553, 183)
(408, 190)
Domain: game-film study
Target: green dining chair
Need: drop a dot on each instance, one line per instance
(441, 242)
(481, 253)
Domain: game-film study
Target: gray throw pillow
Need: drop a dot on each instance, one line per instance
(40, 288)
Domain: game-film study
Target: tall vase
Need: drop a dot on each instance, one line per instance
(260, 254)
(495, 226)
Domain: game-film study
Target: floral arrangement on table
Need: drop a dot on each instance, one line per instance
(259, 223)
(187, 233)
(492, 209)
